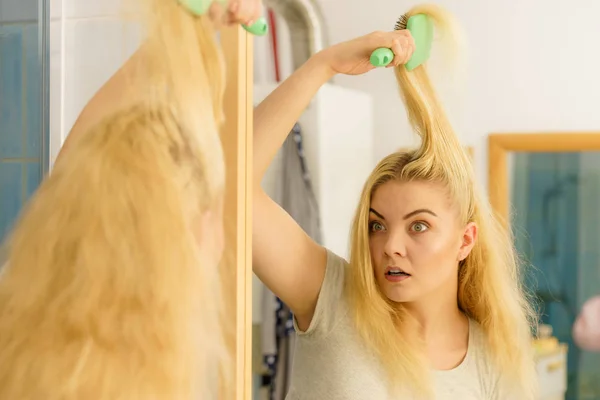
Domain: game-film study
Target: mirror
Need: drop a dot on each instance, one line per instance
(553, 193)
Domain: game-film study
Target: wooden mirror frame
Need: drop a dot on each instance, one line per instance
(236, 138)
(500, 144)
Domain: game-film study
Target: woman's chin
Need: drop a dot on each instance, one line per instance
(399, 294)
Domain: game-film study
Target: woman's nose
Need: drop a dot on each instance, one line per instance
(395, 246)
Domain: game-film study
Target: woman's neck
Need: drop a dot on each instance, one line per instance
(437, 312)
(443, 327)
(436, 318)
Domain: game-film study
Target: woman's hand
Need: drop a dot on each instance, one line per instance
(235, 12)
(353, 57)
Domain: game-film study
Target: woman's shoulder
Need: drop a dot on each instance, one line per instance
(496, 384)
(336, 273)
(480, 353)
(336, 262)
(330, 301)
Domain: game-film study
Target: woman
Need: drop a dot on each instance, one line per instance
(112, 290)
(429, 304)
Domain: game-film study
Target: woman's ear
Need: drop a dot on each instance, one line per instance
(468, 240)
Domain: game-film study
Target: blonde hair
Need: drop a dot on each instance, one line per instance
(106, 293)
(489, 291)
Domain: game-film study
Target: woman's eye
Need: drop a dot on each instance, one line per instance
(419, 227)
(376, 226)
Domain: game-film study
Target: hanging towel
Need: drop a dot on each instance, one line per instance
(298, 199)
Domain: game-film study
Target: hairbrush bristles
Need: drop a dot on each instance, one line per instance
(401, 23)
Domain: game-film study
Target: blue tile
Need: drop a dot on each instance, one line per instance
(11, 66)
(18, 10)
(33, 173)
(33, 90)
(10, 194)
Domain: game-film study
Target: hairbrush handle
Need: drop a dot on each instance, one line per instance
(196, 7)
(258, 27)
(381, 57)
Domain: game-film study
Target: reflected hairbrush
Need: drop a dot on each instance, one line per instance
(421, 29)
(200, 7)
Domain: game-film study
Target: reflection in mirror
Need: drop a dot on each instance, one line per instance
(555, 199)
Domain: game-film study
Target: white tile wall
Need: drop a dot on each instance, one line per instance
(56, 81)
(56, 85)
(95, 49)
(89, 41)
(56, 9)
(92, 9)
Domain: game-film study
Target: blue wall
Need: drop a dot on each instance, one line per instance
(20, 117)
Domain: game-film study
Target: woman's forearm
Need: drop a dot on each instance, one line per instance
(277, 114)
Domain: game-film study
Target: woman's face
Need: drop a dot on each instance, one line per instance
(416, 240)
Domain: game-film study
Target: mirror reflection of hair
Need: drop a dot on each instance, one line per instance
(109, 291)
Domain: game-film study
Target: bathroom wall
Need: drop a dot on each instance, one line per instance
(89, 41)
(516, 76)
(21, 128)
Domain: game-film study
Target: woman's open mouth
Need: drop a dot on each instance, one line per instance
(395, 274)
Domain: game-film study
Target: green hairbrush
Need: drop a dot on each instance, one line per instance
(421, 29)
(200, 7)
(258, 27)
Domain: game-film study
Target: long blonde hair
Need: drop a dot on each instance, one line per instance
(106, 293)
(490, 290)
